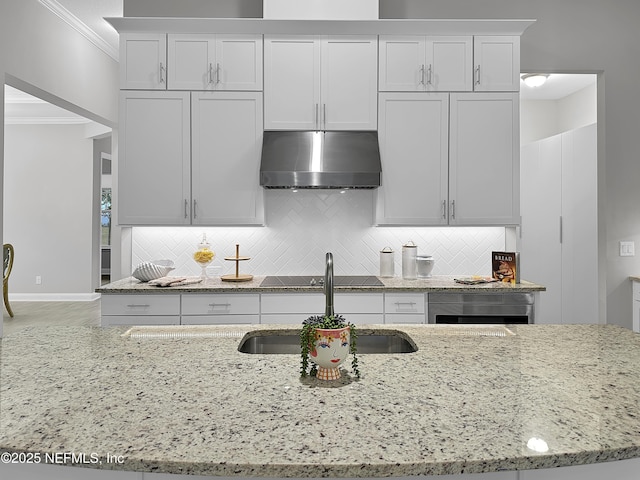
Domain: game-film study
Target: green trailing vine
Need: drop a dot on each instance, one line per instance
(308, 336)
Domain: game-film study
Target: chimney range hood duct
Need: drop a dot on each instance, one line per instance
(322, 160)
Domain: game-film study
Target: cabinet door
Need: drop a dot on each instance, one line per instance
(496, 63)
(154, 165)
(191, 62)
(227, 144)
(448, 64)
(143, 61)
(484, 165)
(349, 86)
(402, 63)
(292, 83)
(238, 64)
(413, 136)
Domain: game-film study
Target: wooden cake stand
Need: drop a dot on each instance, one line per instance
(237, 277)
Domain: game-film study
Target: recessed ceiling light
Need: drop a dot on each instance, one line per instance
(534, 79)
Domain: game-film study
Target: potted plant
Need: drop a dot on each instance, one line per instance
(326, 341)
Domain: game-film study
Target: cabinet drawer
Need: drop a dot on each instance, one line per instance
(112, 320)
(393, 318)
(404, 303)
(140, 304)
(220, 319)
(365, 318)
(220, 304)
(304, 303)
(347, 303)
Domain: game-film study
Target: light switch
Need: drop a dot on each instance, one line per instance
(627, 249)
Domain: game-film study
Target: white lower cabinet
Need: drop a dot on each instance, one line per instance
(159, 309)
(636, 306)
(404, 308)
(203, 309)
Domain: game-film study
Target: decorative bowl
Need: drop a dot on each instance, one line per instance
(152, 270)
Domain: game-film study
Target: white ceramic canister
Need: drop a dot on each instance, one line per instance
(387, 262)
(409, 266)
(425, 265)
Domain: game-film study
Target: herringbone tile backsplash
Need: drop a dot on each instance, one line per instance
(301, 227)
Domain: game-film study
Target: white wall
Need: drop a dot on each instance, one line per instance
(48, 201)
(544, 118)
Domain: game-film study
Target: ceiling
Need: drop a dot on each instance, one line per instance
(87, 16)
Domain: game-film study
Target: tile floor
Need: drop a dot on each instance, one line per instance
(51, 313)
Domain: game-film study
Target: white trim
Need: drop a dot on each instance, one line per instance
(53, 297)
(46, 120)
(80, 27)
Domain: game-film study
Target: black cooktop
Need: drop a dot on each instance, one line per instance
(318, 281)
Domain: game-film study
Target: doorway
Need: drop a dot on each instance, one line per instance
(558, 237)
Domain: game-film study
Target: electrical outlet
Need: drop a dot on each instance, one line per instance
(38, 280)
(627, 249)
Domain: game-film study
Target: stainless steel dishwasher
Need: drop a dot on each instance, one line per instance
(481, 308)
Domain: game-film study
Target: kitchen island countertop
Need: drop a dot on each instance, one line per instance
(466, 401)
(439, 283)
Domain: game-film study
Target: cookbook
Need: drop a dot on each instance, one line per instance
(505, 266)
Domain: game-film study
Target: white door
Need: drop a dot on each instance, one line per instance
(349, 86)
(291, 83)
(154, 165)
(191, 62)
(484, 159)
(226, 143)
(580, 226)
(143, 61)
(238, 64)
(413, 136)
(540, 244)
(496, 63)
(449, 63)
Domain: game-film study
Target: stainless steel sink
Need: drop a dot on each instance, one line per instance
(288, 342)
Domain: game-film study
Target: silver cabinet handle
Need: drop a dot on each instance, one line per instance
(421, 82)
(217, 73)
(214, 305)
(194, 208)
(429, 74)
(162, 69)
(477, 72)
(210, 73)
(138, 305)
(453, 209)
(444, 209)
(186, 206)
(399, 304)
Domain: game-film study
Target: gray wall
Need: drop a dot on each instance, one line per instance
(193, 8)
(582, 36)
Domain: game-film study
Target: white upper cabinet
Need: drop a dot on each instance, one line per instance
(154, 161)
(143, 61)
(320, 83)
(418, 63)
(413, 134)
(484, 159)
(226, 147)
(496, 63)
(214, 62)
(449, 159)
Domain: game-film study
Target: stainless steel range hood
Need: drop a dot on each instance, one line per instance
(323, 160)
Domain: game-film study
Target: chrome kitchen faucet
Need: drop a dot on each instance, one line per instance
(328, 286)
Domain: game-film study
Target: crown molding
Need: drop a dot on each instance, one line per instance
(45, 121)
(80, 27)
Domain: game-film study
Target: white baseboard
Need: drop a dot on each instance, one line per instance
(53, 297)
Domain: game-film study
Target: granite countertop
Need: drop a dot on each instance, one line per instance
(437, 283)
(462, 403)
